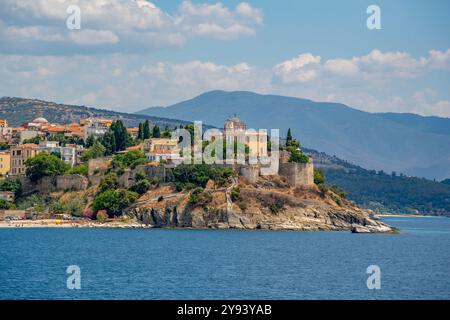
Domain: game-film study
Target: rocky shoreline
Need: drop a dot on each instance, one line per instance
(272, 207)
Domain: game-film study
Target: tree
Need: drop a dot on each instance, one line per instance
(109, 142)
(4, 146)
(125, 160)
(121, 136)
(140, 135)
(319, 176)
(297, 155)
(167, 132)
(96, 151)
(114, 202)
(156, 132)
(5, 204)
(146, 130)
(90, 141)
(141, 186)
(13, 186)
(34, 140)
(45, 164)
(288, 137)
(108, 182)
(82, 169)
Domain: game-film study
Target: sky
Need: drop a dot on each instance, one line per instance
(131, 54)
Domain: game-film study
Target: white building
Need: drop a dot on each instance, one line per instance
(69, 153)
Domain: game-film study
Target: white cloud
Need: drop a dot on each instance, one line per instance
(299, 69)
(123, 25)
(130, 82)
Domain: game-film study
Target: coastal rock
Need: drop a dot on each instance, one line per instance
(270, 208)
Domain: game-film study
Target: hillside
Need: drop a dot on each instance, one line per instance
(18, 111)
(374, 141)
(384, 192)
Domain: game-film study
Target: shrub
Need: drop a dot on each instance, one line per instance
(5, 204)
(140, 187)
(319, 176)
(45, 164)
(114, 201)
(108, 181)
(13, 186)
(102, 215)
(199, 197)
(82, 169)
(125, 160)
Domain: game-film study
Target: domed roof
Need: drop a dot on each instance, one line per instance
(40, 120)
(235, 123)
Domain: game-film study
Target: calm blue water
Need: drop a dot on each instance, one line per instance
(191, 264)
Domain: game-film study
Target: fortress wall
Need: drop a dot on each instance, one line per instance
(298, 174)
(74, 182)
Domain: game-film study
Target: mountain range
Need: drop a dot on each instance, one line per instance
(405, 143)
(20, 110)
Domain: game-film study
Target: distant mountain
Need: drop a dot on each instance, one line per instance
(425, 124)
(19, 110)
(383, 192)
(392, 142)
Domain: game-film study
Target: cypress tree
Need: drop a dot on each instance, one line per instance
(146, 129)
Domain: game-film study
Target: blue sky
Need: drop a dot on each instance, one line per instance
(131, 54)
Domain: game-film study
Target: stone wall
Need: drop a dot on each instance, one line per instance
(96, 167)
(73, 182)
(298, 174)
(250, 172)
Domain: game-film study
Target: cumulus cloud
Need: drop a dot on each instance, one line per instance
(121, 25)
(300, 69)
(372, 67)
(130, 82)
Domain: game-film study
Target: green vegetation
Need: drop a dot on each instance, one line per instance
(82, 169)
(294, 148)
(131, 158)
(114, 201)
(97, 150)
(4, 146)
(63, 139)
(156, 132)
(5, 204)
(72, 204)
(43, 165)
(116, 138)
(392, 193)
(140, 187)
(319, 176)
(12, 185)
(197, 175)
(34, 140)
(108, 182)
(35, 201)
(200, 197)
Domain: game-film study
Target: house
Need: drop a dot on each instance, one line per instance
(3, 123)
(235, 130)
(7, 195)
(133, 132)
(163, 155)
(69, 153)
(5, 162)
(164, 144)
(19, 154)
(95, 127)
(158, 149)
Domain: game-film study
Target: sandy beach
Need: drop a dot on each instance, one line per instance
(55, 223)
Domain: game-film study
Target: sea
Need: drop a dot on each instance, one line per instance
(227, 264)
